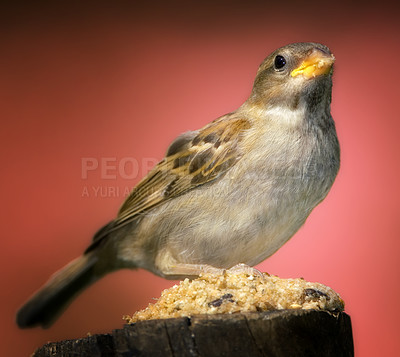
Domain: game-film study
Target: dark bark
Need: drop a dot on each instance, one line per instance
(262, 334)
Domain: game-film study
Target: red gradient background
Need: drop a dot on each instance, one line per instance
(114, 80)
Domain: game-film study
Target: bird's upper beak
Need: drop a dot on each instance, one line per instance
(316, 63)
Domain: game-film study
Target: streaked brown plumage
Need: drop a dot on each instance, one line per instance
(232, 192)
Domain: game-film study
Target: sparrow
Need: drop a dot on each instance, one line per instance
(230, 193)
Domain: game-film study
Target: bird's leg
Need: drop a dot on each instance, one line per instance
(191, 270)
(183, 269)
(170, 268)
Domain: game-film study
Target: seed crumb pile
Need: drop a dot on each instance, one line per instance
(231, 292)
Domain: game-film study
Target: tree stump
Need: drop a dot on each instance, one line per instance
(273, 333)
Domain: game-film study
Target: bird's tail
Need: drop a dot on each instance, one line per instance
(50, 301)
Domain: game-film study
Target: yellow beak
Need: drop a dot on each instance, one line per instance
(317, 63)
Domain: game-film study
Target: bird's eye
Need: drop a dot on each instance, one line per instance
(280, 62)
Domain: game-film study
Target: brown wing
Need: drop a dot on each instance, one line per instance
(193, 159)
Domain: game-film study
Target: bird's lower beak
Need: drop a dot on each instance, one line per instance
(316, 64)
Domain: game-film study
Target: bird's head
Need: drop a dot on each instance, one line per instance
(293, 75)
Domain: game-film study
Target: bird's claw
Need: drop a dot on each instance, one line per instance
(245, 269)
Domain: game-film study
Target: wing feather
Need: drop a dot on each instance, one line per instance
(193, 159)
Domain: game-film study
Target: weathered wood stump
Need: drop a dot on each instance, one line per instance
(275, 333)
